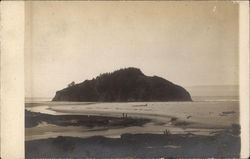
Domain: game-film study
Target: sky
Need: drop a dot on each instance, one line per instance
(187, 43)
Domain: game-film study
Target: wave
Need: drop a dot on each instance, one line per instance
(215, 98)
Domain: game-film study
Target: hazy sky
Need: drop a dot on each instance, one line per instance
(188, 43)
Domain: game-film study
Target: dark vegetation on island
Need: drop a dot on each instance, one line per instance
(33, 119)
(124, 85)
(224, 144)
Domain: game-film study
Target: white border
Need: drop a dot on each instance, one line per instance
(244, 76)
(12, 80)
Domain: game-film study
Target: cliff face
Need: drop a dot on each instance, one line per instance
(124, 85)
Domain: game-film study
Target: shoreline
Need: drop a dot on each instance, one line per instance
(102, 130)
(33, 119)
(41, 126)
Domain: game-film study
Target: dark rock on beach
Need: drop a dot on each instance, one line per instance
(124, 85)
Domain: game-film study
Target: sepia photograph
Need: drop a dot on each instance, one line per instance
(132, 79)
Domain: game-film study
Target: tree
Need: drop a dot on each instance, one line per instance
(71, 84)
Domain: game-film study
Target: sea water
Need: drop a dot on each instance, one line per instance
(204, 115)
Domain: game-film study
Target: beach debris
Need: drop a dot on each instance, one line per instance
(172, 146)
(173, 119)
(160, 123)
(124, 115)
(234, 130)
(189, 116)
(167, 132)
(181, 123)
(227, 113)
(189, 134)
(141, 105)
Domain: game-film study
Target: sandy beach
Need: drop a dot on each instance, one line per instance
(203, 118)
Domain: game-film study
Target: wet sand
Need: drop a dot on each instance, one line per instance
(201, 118)
(118, 130)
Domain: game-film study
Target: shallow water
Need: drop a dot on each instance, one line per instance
(203, 117)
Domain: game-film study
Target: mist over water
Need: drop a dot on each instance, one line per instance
(214, 91)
